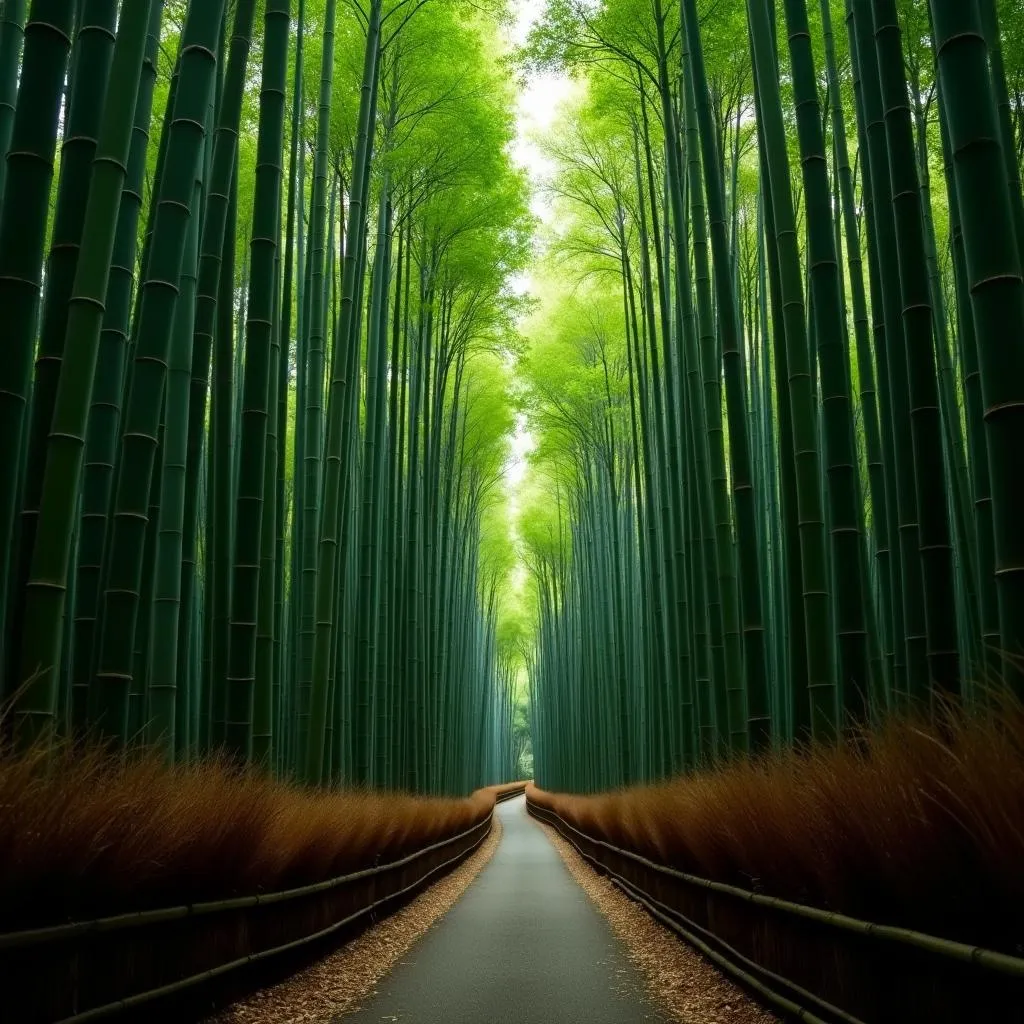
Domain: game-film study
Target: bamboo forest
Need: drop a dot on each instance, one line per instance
(406, 405)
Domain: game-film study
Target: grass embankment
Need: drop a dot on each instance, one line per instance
(83, 837)
(921, 825)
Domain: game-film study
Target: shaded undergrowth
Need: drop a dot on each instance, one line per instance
(919, 824)
(84, 836)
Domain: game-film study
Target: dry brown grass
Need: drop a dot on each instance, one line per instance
(84, 837)
(919, 825)
(332, 987)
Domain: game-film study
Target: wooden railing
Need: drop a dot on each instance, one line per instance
(129, 965)
(811, 964)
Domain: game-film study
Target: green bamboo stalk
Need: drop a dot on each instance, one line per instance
(926, 429)
(90, 68)
(851, 600)
(996, 289)
(48, 581)
(758, 715)
(880, 499)
(313, 687)
(108, 385)
(891, 354)
(23, 219)
(164, 671)
(12, 37)
(252, 494)
(123, 560)
(821, 681)
(337, 408)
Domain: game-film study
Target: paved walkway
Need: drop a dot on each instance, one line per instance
(524, 945)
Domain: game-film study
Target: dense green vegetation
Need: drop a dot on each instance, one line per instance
(777, 386)
(359, 453)
(265, 353)
(254, 385)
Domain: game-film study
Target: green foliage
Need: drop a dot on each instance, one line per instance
(415, 321)
(694, 600)
(261, 487)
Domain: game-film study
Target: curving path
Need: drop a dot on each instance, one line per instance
(524, 945)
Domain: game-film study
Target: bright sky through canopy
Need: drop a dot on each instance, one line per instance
(536, 109)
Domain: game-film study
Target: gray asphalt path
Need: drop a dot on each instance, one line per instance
(524, 945)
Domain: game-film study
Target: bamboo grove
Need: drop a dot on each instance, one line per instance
(778, 395)
(256, 336)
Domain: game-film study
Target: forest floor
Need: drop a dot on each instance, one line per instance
(537, 937)
(918, 824)
(523, 946)
(342, 981)
(684, 986)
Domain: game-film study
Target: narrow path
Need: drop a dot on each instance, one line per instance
(525, 945)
